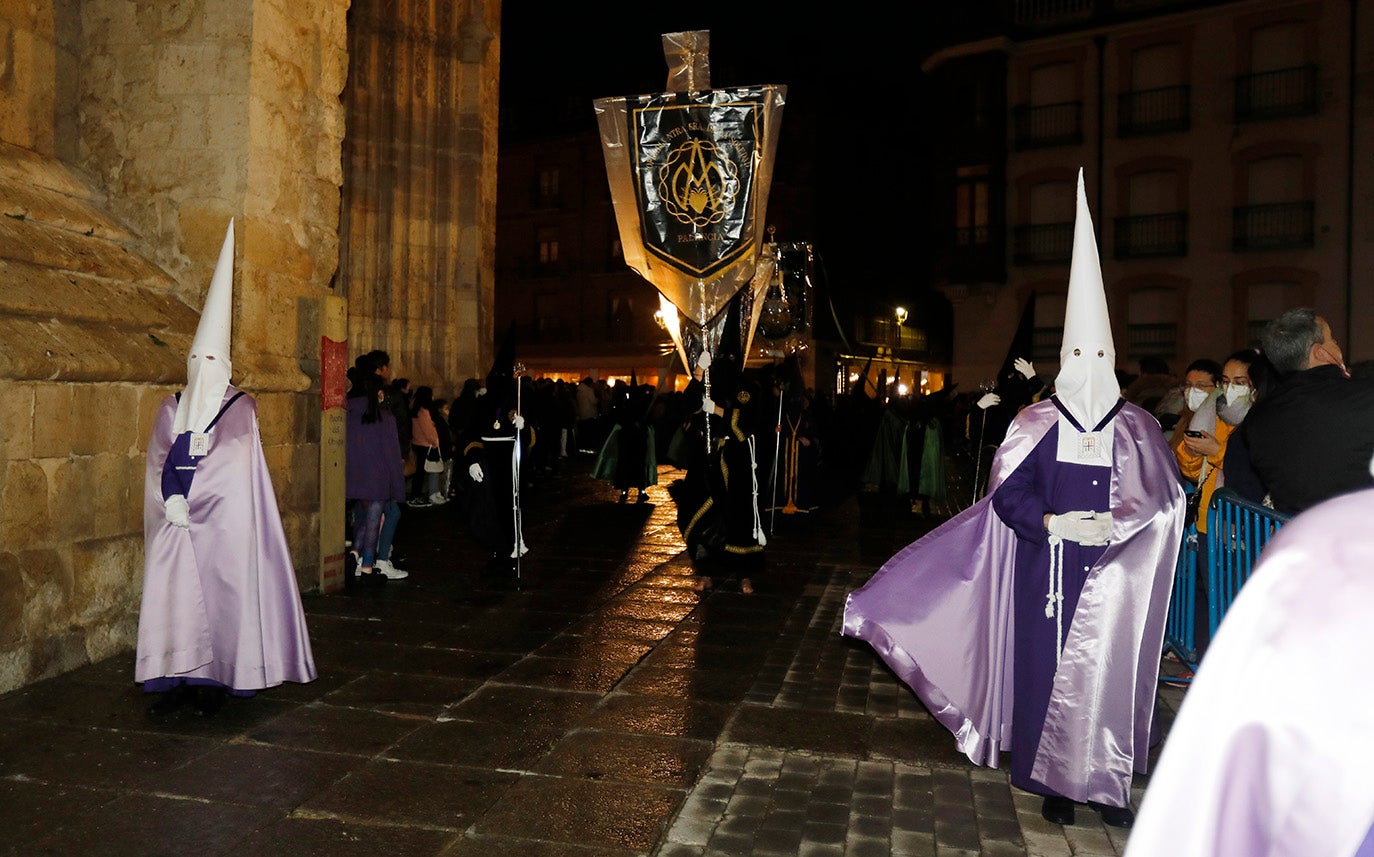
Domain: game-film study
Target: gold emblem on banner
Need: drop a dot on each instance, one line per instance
(697, 185)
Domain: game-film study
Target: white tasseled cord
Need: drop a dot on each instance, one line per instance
(1054, 598)
(754, 478)
(519, 549)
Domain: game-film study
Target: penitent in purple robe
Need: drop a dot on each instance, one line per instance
(1272, 750)
(220, 600)
(948, 613)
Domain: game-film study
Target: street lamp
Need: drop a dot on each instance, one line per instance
(897, 331)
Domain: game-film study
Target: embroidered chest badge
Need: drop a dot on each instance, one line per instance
(200, 444)
(1089, 445)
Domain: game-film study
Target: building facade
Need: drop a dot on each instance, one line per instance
(1227, 152)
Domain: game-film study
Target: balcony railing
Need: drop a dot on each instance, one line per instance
(1048, 125)
(887, 333)
(1149, 236)
(1153, 111)
(1057, 13)
(1277, 94)
(1063, 14)
(1281, 226)
(1152, 340)
(1043, 244)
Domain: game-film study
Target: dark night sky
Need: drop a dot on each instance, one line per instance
(853, 127)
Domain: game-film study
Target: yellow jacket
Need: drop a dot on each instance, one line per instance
(1190, 465)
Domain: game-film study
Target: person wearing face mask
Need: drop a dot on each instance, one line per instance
(1200, 389)
(1199, 423)
(1200, 446)
(1202, 455)
(1033, 621)
(1312, 435)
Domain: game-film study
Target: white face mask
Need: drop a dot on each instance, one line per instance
(1236, 393)
(1195, 398)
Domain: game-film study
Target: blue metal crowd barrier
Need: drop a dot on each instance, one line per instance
(1180, 633)
(1237, 530)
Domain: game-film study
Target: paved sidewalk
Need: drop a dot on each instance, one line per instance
(603, 709)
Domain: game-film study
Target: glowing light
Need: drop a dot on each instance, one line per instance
(901, 389)
(901, 315)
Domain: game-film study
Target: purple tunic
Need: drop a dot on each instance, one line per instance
(1272, 749)
(940, 613)
(1043, 485)
(220, 600)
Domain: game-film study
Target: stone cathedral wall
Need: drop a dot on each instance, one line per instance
(130, 132)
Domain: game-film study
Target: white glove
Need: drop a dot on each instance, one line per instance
(708, 406)
(475, 471)
(704, 361)
(518, 421)
(1024, 366)
(1087, 528)
(178, 511)
(989, 400)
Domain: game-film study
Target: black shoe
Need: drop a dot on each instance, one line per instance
(1057, 810)
(624, 495)
(1114, 816)
(170, 701)
(643, 498)
(209, 699)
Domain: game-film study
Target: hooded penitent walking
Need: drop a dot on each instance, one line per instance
(221, 607)
(1034, 620)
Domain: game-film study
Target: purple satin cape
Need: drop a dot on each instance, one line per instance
(939, 613)
(220, 600)
(1272, 750)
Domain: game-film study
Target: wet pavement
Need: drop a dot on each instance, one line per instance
(605, 708)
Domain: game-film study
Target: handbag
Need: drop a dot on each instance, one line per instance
(434, 460)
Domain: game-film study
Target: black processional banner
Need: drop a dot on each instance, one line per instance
(693, 158)
(689, 172)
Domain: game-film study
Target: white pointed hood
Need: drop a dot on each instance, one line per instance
(1087, 383)
(207, 366)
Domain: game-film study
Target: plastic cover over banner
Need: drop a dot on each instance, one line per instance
(689, 175)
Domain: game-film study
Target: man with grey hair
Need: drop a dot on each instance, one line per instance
(1312, 436)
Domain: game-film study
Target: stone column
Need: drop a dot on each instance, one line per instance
(417, 230)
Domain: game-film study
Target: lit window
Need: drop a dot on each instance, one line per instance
(548, 246)
(548, 182)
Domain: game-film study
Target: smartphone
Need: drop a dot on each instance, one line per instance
(1192, 433)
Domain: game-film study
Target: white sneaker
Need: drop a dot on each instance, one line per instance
(438, 499)
(389, 571)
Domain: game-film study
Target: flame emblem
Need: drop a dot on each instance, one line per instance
(698, 183)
